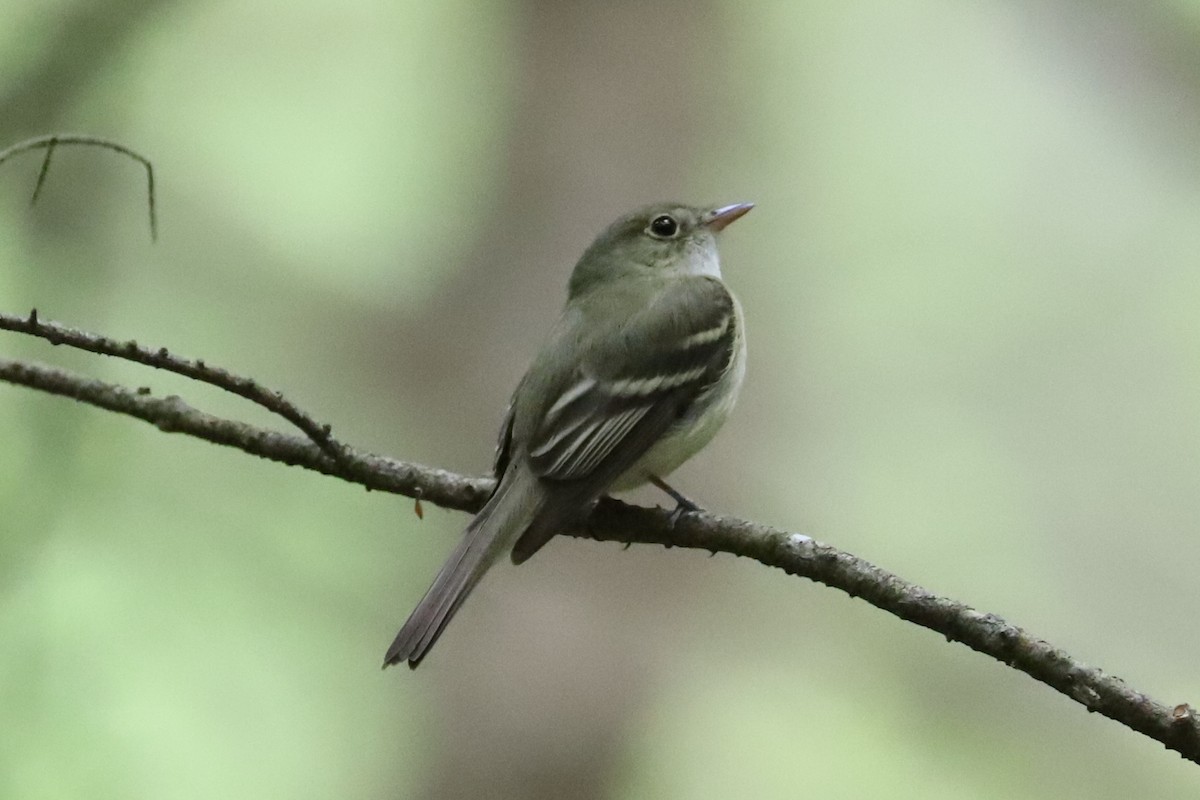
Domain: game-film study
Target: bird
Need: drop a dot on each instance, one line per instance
(640, 371)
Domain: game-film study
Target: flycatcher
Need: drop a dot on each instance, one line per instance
(638, 374)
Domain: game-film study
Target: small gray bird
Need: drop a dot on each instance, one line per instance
(638, 374)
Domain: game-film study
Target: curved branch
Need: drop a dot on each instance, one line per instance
(1177, 728)
(53, 140)
(195, 369)
(172, 415)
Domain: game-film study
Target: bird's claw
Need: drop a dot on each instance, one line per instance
(677, 514)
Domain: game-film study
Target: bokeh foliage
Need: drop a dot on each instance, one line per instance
(972, 292)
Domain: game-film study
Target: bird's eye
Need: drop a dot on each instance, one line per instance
(663, 226)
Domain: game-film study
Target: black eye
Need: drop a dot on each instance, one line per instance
(664, 226)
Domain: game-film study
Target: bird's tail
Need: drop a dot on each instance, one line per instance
(494, 528)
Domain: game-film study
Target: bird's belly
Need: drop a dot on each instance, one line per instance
(689, 435)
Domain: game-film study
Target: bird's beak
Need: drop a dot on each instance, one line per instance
(718, 218)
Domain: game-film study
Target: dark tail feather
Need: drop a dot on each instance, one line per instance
(475, 552)
(541, 530)
(568, 509)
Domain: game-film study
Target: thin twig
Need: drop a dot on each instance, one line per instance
(51, 141)
(171, 414)
(195, 369)
(1177, 728)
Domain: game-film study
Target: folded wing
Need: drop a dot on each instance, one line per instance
(636, 383)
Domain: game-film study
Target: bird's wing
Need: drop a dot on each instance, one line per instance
(504, 440)
(638, 379)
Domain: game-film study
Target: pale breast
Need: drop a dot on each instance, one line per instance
(696, 428)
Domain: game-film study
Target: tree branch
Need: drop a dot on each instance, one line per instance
(1177, 728)
(172, 415)
(51, 141)
(195, 369)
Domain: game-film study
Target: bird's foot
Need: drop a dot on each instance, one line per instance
(682, 504)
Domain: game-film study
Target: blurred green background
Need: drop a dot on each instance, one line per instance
(971, 286)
